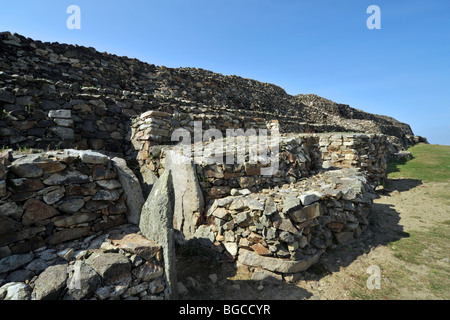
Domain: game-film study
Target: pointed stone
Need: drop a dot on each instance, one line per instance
(189, 199)
(156, 224)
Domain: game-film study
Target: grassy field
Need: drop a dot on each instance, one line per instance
(420, 268)
(430, 163)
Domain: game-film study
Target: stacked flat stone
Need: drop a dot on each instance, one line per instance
(290, 227)
(58, 196)
(121, 266)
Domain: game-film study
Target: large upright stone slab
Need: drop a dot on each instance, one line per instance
(156, 223)
(189, 199)
(131, 188)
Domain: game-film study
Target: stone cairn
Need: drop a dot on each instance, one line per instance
(68, 218)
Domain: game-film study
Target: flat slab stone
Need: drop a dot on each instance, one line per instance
(137, 244)
(110, 266)
(93, 157)
(253, 259)
(14, 262)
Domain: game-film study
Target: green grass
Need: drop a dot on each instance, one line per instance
(423, 256)
(430, 163)
(428, 248)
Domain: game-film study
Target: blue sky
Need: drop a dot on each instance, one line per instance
(322, 47)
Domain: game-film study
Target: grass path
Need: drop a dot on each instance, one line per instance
(410, 236)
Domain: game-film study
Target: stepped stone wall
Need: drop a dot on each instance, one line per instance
(38, 77)
(72, 98)
(299, 156)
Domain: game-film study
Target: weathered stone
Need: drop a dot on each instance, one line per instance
(306, 213)
(286, 237)
(82, 281)
(67, 177)
(107, 195)
(15, 291)
(15, 262)
(156, 286)
(109, 223)
(93, 157)
(188, 194)
(100, 172)
(284, 224)
(78, 191)
(6, 239)
(96, 205)
(156, 224)
(243, 219)
(66, 254)
(50, 166)
(204, 235)
(260, 250)
(253, 259)
(26, 170)
(220, 213)
(63, 132)
(71, 205)
(219, 192)
(231, 247)
(53, 196)
(109, 184)
(64, 122)
(238, 204)
(131, 188)
(148, 271)
(50, 283)
(37, 265)
(76, 219)
(135, 290)
(23, 185)
(19, 276)
(137, 244)
(3, 171)
(36, 210)
(110, 266)
(310, 198)
(62, 114)
(117, 208)
(8, 225)
(270, 207)
(290, 204)
(68, 234)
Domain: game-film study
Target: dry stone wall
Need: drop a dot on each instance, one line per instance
(122, 265)
(285, 230)
(53, 197)
(103, 91)
(58, 96)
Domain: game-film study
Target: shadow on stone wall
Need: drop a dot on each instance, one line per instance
(204, 276)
